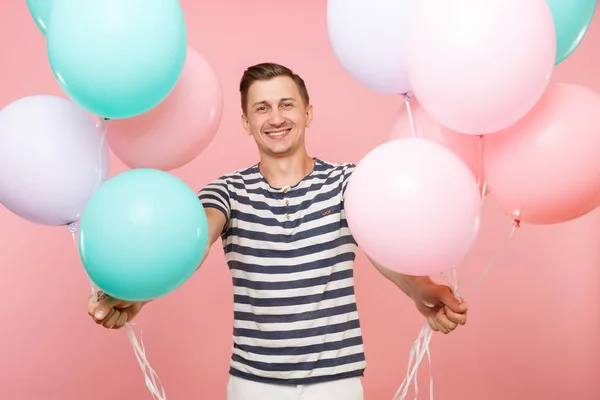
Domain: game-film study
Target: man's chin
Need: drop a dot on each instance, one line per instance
(278, 152)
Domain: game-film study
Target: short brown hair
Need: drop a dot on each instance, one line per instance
(264, 72)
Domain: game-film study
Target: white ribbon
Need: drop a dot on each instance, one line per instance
(421, 345)
(410, 116)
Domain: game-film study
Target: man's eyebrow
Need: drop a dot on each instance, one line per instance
(264, 102)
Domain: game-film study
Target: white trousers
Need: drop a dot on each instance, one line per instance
(343, 389)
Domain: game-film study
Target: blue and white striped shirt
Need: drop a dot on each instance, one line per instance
(291, 257)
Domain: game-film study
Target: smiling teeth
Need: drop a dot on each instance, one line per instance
(277, 133)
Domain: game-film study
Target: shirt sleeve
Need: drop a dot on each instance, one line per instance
(348, 170)
(216, 195)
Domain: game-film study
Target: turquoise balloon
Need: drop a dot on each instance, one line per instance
(572, 20)
(40, 12)
(117, 58)
(142, 235)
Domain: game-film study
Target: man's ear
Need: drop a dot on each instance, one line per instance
(246, 124)
(309, 115)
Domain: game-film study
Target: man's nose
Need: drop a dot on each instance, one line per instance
(276, 118)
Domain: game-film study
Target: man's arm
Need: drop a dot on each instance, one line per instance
(437, 303)
(409, 284)
(216, 224)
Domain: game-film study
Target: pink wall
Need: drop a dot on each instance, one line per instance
(534, 322)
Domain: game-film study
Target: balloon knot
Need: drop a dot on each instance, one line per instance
(517, 223)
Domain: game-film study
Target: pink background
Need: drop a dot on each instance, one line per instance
(534, 321)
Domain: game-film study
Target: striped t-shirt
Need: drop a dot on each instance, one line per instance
(291, 257)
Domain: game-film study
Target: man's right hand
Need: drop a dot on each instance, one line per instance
(112, 313)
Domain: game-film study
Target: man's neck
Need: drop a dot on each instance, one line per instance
(286, 171)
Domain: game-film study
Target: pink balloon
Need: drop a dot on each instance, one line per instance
(179, 128)
(413, 206)
(546, 168)
(479, 66)
(465, 146)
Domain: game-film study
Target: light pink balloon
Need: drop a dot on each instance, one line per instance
(413, 206)
(479, 66)
(177, 130)
(546, 168)
(465, 146)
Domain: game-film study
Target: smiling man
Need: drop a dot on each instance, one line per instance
(296, 332)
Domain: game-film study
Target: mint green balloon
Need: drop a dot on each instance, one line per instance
(572, 20)
(142, 235)
(40, 12)
(117, 58)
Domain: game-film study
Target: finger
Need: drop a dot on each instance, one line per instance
(104, 306)
(121, 321)
(432, 324)
(106, 317)
(91, 306)
(442, 320)
(110, 322)
(457, 318)
(448, 298)
(440, 327)
(93, 302)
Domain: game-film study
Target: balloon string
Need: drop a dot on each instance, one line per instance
(480, 172)
(516, 224)
(480, 165)
(420, 347)
(410, 116)
(103, 123)
(151, 378)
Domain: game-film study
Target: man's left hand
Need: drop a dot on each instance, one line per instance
(443, 311)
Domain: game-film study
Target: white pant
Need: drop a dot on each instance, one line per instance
(343, 389)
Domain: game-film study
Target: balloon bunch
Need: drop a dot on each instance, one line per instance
(132, 85)
(481, 117)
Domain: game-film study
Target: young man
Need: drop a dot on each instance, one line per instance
(291, 255)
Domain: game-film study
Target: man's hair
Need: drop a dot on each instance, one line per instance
(264, 72)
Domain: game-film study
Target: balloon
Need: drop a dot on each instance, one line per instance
(572, 20)
(479, 66)
(52, 159)
(177, 130)
(40, 11)
(413, 206)
(116, 58)
(545, 169)
(142, 235)
(368, 39)
(465, 146)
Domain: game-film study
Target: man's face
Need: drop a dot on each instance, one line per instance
(276, 116)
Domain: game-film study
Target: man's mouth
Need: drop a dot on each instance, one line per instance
(277, 133)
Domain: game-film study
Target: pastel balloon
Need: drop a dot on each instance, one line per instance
(572, 20)
(545, 169)
(142, 235)
(116, 58)
(464, 146)
(40, 12)
(413, 206)
(479, 66)
(52, 159)
(369, 39)
(178, 129)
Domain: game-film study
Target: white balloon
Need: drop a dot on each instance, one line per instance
(52, 159)
(369, 40)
